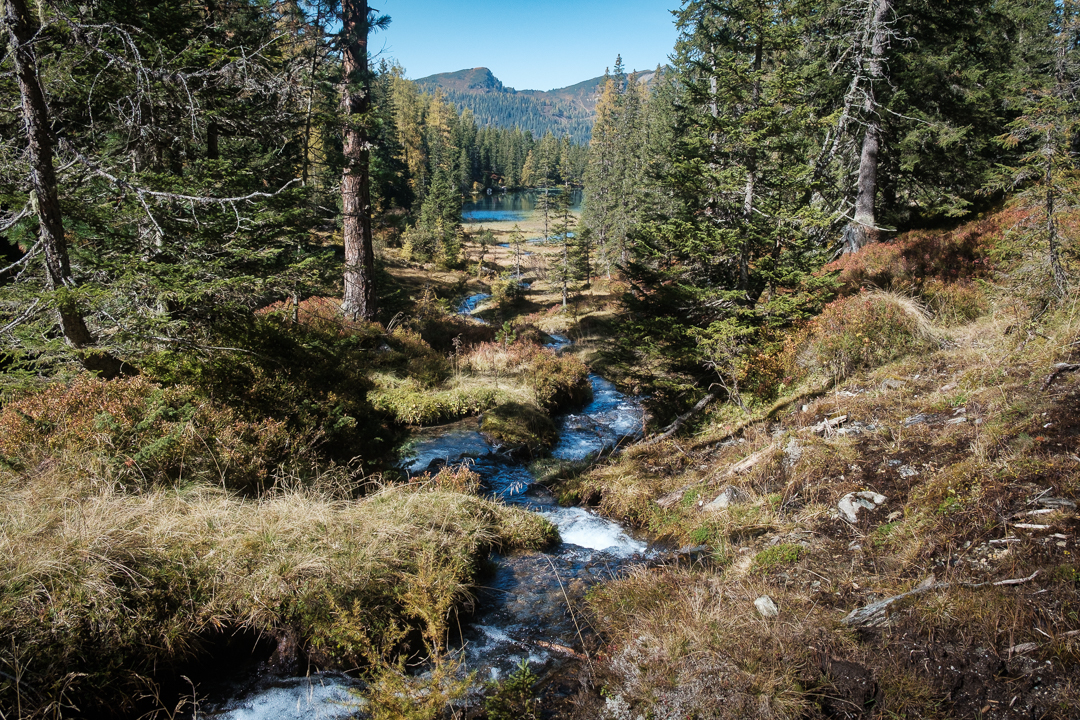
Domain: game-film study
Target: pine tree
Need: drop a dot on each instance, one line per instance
(563, 231)
(1049, 94)
(357, 21)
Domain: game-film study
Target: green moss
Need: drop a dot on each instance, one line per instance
(519, 426)
(775, 556)
(412, 404)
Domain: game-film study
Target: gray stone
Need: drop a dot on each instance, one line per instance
(851, 504)
(792, 453)
(729, 496)
(907, 471)
(766, 607)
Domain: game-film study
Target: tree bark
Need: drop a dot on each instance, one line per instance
(44, 194)
(359, 301)
(860, 232)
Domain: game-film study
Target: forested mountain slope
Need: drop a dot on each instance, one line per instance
(564, 111)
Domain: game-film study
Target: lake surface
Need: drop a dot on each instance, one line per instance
(510, 207)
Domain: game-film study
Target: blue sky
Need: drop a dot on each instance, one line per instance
(527, 45)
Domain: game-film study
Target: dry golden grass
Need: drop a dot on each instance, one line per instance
(687, 642)
(110, 585)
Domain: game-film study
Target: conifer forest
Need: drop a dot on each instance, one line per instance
(741, 386)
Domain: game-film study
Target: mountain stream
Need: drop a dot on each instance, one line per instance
(525, 610)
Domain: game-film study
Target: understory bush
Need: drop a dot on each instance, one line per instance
(519, 426)
(136, 433)
(410, 403)
(862, 331)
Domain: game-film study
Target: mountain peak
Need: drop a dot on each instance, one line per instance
(470, 80)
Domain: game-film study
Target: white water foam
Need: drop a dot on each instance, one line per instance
(320, 697)
(584, 529)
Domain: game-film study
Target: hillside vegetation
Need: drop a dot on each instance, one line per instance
(908, 506)
(568, 111)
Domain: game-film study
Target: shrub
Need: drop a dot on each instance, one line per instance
(558, 380)
(514, 698)
(141, 434)
(519, 426)
(506, 291)
(555, 380)
(864, 331)
(311, 377)
(775, 556)
(903, 263)
(954, 303)
(411, 403)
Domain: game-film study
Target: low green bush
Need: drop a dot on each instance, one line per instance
(413, 404)
(776, 556)
(864, 331)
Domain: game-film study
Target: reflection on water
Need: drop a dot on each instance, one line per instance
(510, 207)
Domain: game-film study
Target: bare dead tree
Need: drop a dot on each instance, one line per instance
(870, 70)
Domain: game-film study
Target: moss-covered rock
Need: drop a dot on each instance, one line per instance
(519, 426)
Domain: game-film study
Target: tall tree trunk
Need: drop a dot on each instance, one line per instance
(859, 233)
(359, 301)
(751, 172)
(1061, 283)
(45, 198)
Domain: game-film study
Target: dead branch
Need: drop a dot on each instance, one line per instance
(1029, 646)
(680, 421)
(874, 614)
(159, 195)
(826, 426)
(1059, 369)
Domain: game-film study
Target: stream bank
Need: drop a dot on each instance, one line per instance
(529, 604)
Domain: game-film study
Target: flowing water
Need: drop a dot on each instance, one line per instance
(526, 609)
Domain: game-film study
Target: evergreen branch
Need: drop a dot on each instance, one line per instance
(142, 192)
(81, 31)
(22, 318)
(8, 224)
